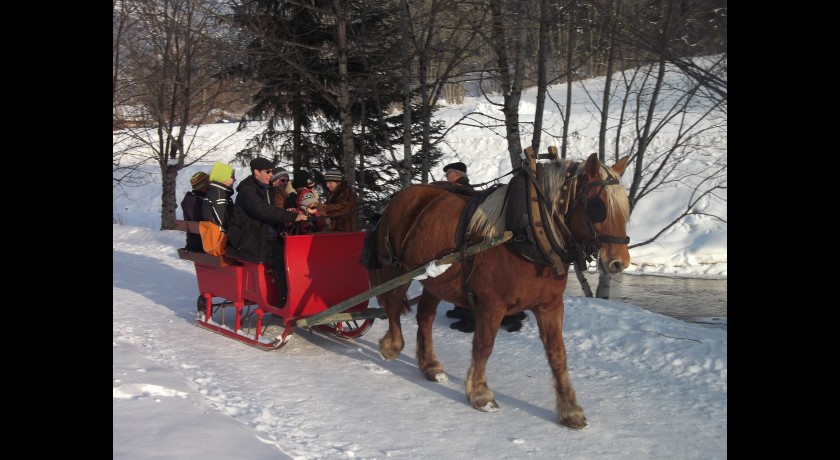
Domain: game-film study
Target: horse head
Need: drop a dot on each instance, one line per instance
(598, 219)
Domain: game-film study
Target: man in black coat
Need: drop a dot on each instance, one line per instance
(456, 173)
(252, 229)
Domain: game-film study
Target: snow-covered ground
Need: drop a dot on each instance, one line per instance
(652, 386)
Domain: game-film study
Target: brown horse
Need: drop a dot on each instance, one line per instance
(584, 207)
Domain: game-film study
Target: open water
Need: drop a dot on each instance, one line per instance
(696, 300)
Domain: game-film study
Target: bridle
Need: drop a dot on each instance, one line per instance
(596, 212)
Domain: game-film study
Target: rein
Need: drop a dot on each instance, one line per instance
(540, 211)
(496, 180)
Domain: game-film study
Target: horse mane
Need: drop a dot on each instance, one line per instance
(488, 221)
(489, 218)
(618, 205)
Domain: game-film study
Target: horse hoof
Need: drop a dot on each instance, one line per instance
(439, 377)
(434, 372)
(575, 423)
(485, 405)
(388, 350)
(388, 355)
(435, 375)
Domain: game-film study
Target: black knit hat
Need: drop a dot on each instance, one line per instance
(301, 179)
(456, 166)
(261, 163)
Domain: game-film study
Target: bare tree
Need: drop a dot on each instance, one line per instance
(547, 20)
(666, 123)
(508, 33)
(168, 74)
(439, 37)
(677, 31)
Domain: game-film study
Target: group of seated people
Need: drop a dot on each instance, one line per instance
(211, 199)
(266, 208)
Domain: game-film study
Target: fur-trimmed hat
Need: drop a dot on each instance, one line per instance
(279, 172)
(334, 174)
(200, 181)
(261, 163)
(458, 166)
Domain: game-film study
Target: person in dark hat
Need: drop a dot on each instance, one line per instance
(456, 173)
(191, 206)
(253, 227)
(341, 204)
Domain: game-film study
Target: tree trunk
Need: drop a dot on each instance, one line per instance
(542, 79)
(298, 118)
(605, 104)
(511, 85)
(603, 289)
(569, 77)
(406, 92)
(345, 114)
(580, 272)
(168, 202)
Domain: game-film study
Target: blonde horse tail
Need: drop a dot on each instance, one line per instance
(378, 276)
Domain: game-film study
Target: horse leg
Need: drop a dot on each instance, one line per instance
(487, 322)
(426, 359)
(550, 323)
(395, 304)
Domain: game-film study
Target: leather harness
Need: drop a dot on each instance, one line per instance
(527, 211)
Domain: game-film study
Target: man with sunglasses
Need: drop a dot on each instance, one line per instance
(254, 227)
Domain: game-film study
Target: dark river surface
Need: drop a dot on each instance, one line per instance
(697, 300)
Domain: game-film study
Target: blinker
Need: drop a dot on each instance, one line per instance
(596, 210)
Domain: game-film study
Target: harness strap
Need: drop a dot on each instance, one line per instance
(541, 237)
(613, 239)
(462, 239)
